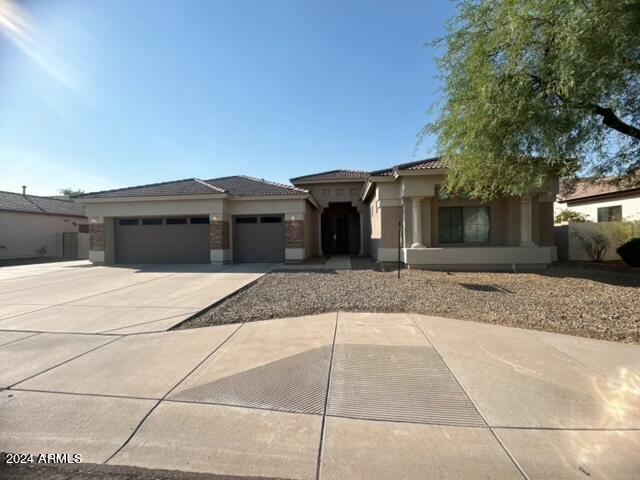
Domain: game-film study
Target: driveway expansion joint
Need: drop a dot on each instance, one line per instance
(575, 360)
(326, 399)
(65, 362)
(495, 435)
(137, 428)
(18, 339)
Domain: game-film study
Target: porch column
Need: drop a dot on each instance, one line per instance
(426, 239)
(525, 222)
(361, 214)
(416, 214)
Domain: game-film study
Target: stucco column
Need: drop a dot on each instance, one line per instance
(363, 234)
(525, 222)
(416, 216)
(426, 236)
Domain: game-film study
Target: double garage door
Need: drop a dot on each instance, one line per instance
(256, 238)
(162, 240)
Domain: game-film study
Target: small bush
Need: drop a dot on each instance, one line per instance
(630, 252)
(594, 242)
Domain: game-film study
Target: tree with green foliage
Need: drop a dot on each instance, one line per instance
(538, 89)
(570, 216)
(71, 192)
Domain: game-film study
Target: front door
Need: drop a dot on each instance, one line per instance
(334, 234)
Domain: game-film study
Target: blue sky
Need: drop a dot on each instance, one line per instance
(102, 94)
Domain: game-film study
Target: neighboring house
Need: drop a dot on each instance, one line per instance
(602, 201)
(244, 219)
(32, 226)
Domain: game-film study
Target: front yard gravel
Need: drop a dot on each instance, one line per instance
(590, 303)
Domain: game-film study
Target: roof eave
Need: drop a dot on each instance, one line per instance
(418, 172)
(74, 215)
(620, 193)
(337, 180)
(152, 198)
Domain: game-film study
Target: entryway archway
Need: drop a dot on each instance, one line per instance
(340, 229)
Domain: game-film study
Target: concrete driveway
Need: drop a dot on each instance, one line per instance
(81, 298)
(332, 396)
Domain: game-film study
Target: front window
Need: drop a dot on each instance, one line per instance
(610, 214)
(464, 225)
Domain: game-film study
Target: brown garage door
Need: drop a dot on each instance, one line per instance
(258, 238)
(162, 240)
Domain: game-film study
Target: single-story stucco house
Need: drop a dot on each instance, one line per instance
(245, 219)
(602, 201)
(42, 227)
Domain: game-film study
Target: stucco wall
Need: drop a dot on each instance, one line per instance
(106, 212)
(630, 207)
(504, 218)
(21, 234)
(504, 230)
(325, 193)
(391, 216)
(195, 207)
(620, 232)
(311, 245)
(545, 224)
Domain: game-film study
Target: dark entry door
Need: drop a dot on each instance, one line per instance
(335, 234)
(70, 245)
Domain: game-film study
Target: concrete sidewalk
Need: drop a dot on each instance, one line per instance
(331, 396)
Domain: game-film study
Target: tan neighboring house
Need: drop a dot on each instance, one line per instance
(244, 219)
(602, 201)
(42, 227)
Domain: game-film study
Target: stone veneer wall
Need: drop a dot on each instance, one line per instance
(96, 236)
(219, 238)
(294, 234)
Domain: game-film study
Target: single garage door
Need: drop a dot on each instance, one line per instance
(162, 240)
(258, 238)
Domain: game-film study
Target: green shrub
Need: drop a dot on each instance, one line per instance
(630, 252)
(570, 216)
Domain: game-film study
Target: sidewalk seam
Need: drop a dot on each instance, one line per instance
(575, 360)
(135, 430)
(65, 362)
(504, 447)
(326, 399)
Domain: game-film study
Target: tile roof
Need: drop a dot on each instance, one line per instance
(332, 175)
(427, 164)
(237, 185)
(242, 186)
(587, 188)
(189, 186)
(17, 202)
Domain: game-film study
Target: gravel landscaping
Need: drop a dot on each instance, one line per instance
(564, 299)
